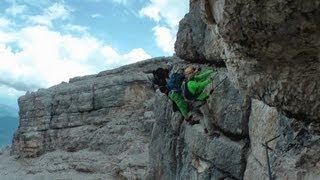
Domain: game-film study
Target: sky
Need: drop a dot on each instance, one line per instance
(46, 42)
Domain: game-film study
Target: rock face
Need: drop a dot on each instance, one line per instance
(181, 151)
(198, 39)
(271, 48)
(295, 152)
(271, 53)
(110, 112)
(114, 125)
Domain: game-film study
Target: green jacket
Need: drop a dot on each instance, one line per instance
(196, 86)
(198, 83)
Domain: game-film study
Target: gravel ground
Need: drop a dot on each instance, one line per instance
(52, 166)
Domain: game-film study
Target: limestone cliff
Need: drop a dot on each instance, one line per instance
(270, 50)
(216, 148)
(114, 125)
(102, 123)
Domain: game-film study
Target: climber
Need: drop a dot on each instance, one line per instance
(171, 86)
(180, 87)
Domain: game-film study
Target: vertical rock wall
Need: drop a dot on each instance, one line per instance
(271, 53)
(293, 155)
(266, 54)
(271, 48)
(214, 149)
(232, 148)
(110, 112)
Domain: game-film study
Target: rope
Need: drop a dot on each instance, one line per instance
(220, 83)
(267, 156)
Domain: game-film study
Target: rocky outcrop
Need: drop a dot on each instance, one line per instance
(228, 142)
(216, 148)
(198, 39)
(271, 53)
(294, 154)
(113, 124)
(271, 48)
(110, 113)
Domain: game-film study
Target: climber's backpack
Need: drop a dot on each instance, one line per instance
(159, 76)
(175, 81)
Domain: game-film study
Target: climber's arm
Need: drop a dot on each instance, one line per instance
(204, 75)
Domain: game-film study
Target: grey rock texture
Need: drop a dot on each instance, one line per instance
(197, 39)
(182, 151)
(158, 144)
(228, 108)
(295, 153)
(263, 126)
(83, 165)
(271, 48)
(285, 81)
(114, 126)
(271, 53)
(232, 148)
(110, 113)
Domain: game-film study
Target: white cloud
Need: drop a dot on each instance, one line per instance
(76, 28)
(58, 11)
(96, 15)
(167, 14)
(16, 9)
(115, 59)
(36, 56)
(109, 53)
(4, 22)
(136, 55)
(54, 12)
(171, 11)
(48, 57)
(10, 92)
(6, 37)
(151, 12)
(164, 38)
(41, 20)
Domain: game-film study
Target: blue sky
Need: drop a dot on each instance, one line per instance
(45, 42)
